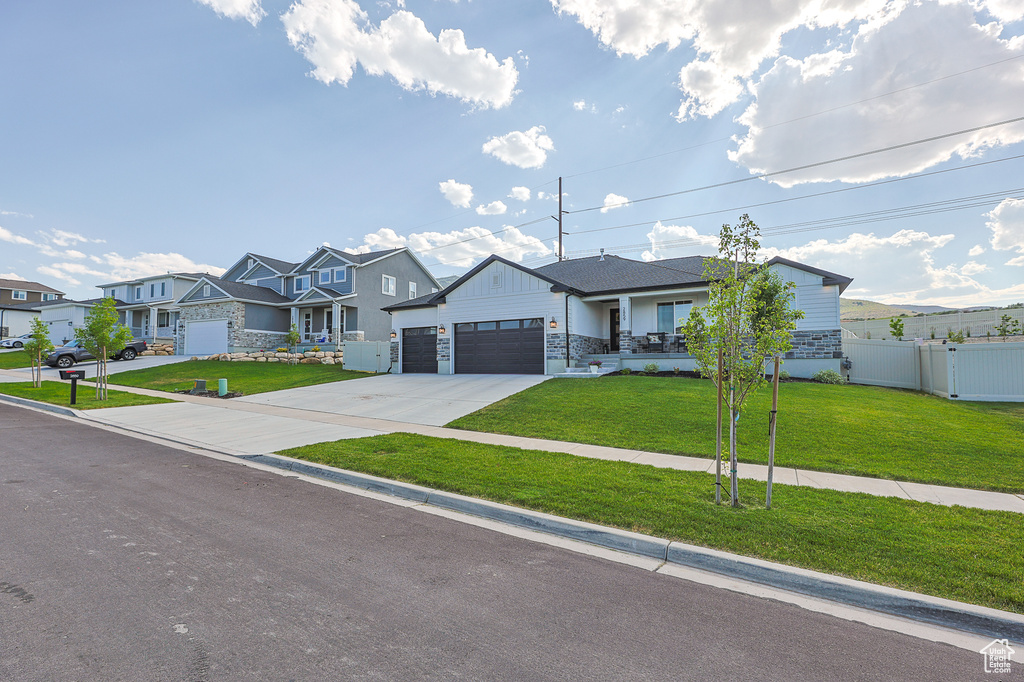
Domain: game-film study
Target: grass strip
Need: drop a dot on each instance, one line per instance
(857, 430)
(964, 554)
(247, 378)
(59, 393)
(15, 360)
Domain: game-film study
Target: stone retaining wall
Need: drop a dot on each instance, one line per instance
(308, 358)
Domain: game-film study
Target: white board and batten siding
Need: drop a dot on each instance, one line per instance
(501, 292)
(820, 303)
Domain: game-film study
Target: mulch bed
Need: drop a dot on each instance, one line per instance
(696, 375)
(209, 394)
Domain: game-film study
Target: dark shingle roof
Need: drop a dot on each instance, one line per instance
(282, 266)
(425, 301)
(614, 273)
(361, 258)
(249, 292)
(24, 285)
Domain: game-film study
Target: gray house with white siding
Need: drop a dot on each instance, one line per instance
(332, 296)
(504, 318)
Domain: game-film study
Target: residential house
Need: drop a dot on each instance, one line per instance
(332, 296)
(65, 316)
(148, 305)
(18, 299)
(505, 318)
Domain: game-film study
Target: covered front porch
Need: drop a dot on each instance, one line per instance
(323, 322)
(151, 323)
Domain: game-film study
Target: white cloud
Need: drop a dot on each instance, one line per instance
(1007, 224)
(457, 193)
(1018, 261)
(670, 241)
(12, 275)
(72, 253)
(64, 238)
(526, 149)
(250, 10)
(57, 274)
(884, 57)
(973, 268)
(460, 248)
(976, 250)
(335, 35)
(579, 105)
(1005, 10)
(493, 208)
(8, 236)
(146, 264)
(520, 193)
(613, 201)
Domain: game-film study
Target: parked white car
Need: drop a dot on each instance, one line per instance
(16, 342)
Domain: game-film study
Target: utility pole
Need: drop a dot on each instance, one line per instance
(560, 251)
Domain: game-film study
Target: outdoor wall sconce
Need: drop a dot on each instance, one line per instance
(231, 324)
(553, 324)
(394, 334)
(440, 330)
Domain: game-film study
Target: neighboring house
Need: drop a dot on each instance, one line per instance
(149, 304)
(18, 300)
(65, 316)
(331, 297)
(503, 318)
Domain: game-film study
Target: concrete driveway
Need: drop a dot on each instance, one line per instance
(113, 367)
(429, 399)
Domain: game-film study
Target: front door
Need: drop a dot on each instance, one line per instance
(613, 329)
(307, 325)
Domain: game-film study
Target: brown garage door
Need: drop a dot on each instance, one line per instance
(500, 347)
(419, 350)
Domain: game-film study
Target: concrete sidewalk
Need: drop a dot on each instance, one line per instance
(252, 428)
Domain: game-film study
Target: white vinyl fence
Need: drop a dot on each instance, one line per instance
(366, 356)
(976, 371)
(980, 324)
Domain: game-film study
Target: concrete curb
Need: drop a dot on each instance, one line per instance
(918, 607)
(25, 402)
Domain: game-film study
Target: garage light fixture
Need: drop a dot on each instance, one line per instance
(394, 334)
(553, 324)
(440, 330)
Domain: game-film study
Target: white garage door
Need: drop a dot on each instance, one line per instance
(206, 338)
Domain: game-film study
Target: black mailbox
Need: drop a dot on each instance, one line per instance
(74, 375)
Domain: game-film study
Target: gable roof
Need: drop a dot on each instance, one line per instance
(25, 285)
(236, 290)
(282, 267)
(826, 276)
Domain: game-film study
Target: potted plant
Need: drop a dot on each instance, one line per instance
(595, 366)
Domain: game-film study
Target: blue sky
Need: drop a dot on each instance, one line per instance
(175, 135)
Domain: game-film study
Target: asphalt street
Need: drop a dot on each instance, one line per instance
(121, 559)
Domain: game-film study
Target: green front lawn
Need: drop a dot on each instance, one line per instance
(243, 377)
(15, 360)
(858, 430)
(964, 554)
(59, 393)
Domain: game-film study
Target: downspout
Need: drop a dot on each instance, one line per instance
(567, 361)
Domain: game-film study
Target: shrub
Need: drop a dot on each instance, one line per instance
(783, 375)
(625, 370)
(315, 349)
(651, 368)
(282, 350)
(956, 336)
(828, 376)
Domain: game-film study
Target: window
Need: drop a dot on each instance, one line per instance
(301, 284)
(49, 297)
(113, 293)
(340, 274)
(163, 319)
(412, 289)
(206, 291)
(251, 263)
(138, 293)
(19, 295)
(433, 290)
(152, 290)
(509, 324)
(669, 315)
(388, 285)
(163, 288)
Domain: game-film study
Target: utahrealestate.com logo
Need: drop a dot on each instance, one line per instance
(997, 657)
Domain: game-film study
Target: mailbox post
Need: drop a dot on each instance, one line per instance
(74, 375)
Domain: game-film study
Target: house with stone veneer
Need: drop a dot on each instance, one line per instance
(504, 318)
(332, 296)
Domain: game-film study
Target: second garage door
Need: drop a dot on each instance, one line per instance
(206, 337)
(500, 347)
(419, 350)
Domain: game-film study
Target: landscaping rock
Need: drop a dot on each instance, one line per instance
(310, 361)
(243, 359)
(148, 352)
(275, 359)
(261, 359)
(327, 361)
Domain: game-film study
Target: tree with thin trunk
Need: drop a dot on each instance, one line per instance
(103, 336)
(38, 346)
(748, 318)
(293, 338)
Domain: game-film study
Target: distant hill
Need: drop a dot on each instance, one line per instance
(856, 309)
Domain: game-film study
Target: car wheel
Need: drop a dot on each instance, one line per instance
(65, 361)
(128, 354)
(18, 344)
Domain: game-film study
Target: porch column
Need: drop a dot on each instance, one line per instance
(153, 319)
(335, 319)
(625, 326)
(295, 316)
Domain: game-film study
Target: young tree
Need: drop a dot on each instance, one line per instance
(103, 336)
(293, 339)
(748, 317)
(38, 345)
(1007, 326)
(896, 327)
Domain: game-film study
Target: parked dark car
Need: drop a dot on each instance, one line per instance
(65, 356)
